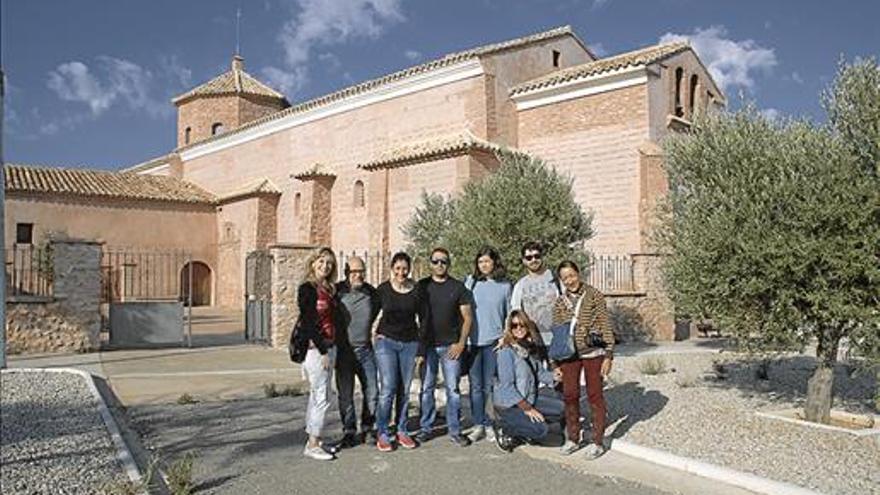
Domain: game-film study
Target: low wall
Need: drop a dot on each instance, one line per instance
(69, 320)
(647, 313)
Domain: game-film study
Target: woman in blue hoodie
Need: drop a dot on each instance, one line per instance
(523, 412)
(491, 301)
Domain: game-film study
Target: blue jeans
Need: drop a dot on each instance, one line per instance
(517, 424)
(357, 361)
(482, 376)
(434, 356)
(397, 361)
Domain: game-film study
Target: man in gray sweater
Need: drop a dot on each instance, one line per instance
(355, 357)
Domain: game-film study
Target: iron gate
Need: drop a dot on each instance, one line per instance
(258, 296)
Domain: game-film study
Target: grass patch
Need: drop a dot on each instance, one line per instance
(271, 390)
(179, 475)
(652, 365)
(185, 399)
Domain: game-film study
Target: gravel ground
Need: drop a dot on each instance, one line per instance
(689, 411)
(52, 438)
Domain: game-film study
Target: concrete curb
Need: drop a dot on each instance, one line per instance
(729, 476)
(123, 453)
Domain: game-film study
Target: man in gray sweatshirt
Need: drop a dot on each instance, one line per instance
(355, 357)
(537, 291)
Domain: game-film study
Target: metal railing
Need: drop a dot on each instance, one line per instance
(612, 273)
(145, 275)
(30, 270)
(608, 273)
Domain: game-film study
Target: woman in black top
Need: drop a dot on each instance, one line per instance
(397, 343)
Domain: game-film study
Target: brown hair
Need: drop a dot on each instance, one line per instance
(507, 339)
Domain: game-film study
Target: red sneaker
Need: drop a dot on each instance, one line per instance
(406, 441)
(383, 444)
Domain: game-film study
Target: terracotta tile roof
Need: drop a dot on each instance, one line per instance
(258, 187)
(316, 171)
(445, 147)
(234, 81)
(446, 60)
(97, 183)
(643, 56)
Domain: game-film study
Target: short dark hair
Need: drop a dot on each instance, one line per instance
(441, 250)
(567, 264)
(531, 246)
(498, 271)
(401, 256)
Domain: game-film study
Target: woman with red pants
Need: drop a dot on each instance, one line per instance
(594, 344)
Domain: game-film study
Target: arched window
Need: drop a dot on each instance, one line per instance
(297, 204)
(692, 94)
(358, 194)
(216, 128)
(678, 109)
(187, 134)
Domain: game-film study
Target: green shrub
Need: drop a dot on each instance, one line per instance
(652, 365)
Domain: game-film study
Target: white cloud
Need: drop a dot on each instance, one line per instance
(412, 55)
(598, 49)
(330, 61)
(72, 81)
(115, 80)
(324, 23)
(771, 114)
(731, 63)
(797, 77)
(175, 71)
(598, 4)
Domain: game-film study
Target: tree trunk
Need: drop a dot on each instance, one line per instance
(818, 406)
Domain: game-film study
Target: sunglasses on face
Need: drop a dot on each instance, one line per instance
(440, 261)
(356, 271)
(530, 257)
(516, 324)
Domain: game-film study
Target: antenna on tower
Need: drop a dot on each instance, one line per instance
(238, 31)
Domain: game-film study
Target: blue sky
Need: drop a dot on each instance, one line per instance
(89, 82)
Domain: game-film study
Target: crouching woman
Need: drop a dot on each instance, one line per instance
(523, 412)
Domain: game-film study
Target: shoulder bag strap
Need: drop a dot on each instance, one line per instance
(574, 316)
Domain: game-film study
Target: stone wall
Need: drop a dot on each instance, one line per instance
(288, 271)
(70, 320)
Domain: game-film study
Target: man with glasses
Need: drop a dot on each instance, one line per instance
(537, 291)
(446, 328)
(355, 357)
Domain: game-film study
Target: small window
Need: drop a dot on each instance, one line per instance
(556, 56)
(216, 128)
(297, 204)
(358, 194)
(678, 108)
(692, 95)
(24, 233)
(187, 134)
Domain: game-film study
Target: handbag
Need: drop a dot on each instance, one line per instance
(298, 346)
(562, 341)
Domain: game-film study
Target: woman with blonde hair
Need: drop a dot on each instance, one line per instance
(523, 410)
(315, 298)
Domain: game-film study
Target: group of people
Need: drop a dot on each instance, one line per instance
(495, 331)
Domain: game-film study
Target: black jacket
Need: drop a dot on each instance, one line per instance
(307, 323)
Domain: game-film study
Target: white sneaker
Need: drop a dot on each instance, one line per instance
(593, 451)
(477, 434)
(490, 434)
(569, 448)
(317, 453)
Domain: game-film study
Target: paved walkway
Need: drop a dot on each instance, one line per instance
(253, 444)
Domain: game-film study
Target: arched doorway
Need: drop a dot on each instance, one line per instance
(201, 284)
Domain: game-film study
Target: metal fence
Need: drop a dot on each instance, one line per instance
(608, 273)
(145, 275)
(29, 270)
(611, 273)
